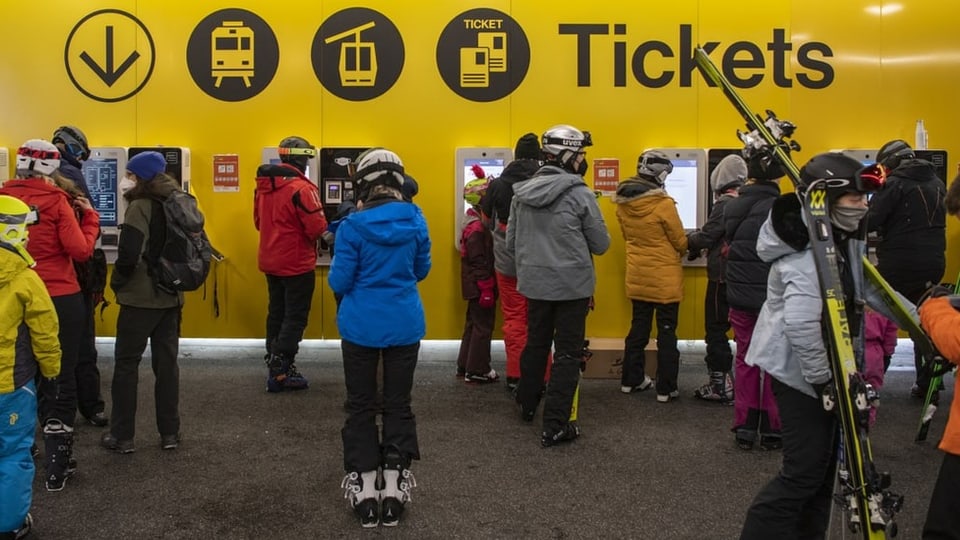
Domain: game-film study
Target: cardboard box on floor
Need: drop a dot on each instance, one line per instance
(607, 360)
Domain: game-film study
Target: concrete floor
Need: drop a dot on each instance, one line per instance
(258, 465)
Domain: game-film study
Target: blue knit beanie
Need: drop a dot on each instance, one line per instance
(147, 165)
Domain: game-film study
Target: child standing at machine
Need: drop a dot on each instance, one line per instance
(479, 288)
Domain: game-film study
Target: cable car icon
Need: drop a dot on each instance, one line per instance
(231, 52)
(358, 59)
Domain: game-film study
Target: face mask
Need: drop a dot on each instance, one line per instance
(847, 218)
(126, 185)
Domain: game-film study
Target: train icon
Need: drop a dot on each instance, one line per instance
(231, 52)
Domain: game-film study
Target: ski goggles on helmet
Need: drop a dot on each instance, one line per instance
(870, 178)
(284, 151)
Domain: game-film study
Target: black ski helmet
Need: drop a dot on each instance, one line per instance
(893, 153)
(296, 151)
(843, 174)
(73, 140)
(762, 165)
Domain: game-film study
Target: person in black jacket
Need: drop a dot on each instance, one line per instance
(495, 210)
(755, 411)
(909, 215)
(725, 180)
(74, 150)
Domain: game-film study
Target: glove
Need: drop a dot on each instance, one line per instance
(693, 255)
(935, 291)
(826, 393)
(488, 297)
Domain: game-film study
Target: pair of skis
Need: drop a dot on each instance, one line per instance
(868, 506)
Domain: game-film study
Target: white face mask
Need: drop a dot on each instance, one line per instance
(847, 218)
(126, 185)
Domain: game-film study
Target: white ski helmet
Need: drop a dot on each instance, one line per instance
(37, 156)
(378, 166)
(562, 143)
(654, 165)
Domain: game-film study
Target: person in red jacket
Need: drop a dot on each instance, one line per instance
(57, 240)
(289, 216)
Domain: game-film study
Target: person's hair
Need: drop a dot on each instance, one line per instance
(67, 185)
(146, 189)
(384, 190)
(953, 197)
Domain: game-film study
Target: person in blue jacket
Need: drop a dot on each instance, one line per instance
(383, 251)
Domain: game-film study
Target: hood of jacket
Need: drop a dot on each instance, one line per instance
(918, 170)
(784, 232)
(35, 187)
(271, 177)
(638, 197)
(635, 187)
(11, 264)
(390, 223)
(519, 170)
(546, 187)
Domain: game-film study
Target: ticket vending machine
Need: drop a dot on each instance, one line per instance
(939, 160)
(336, 186)
(102, 173)
(178, 161)
(491, 159)
(4, 165)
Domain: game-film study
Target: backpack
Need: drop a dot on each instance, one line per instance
(92, 275)
(181, 261)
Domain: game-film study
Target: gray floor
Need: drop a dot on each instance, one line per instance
(257, 465)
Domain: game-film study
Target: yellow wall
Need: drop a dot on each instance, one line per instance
(889, 71)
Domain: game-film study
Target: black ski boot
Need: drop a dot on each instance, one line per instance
(283, 374)
(396, 484)
(58, 442)
(567, 432)
(770, 439)
(746, 433)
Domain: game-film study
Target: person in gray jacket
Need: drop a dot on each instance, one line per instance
(555, 228)
(788, 344)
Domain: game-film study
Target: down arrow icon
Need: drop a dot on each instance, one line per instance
(109, 75)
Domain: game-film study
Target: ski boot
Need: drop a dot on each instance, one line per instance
(58, 442)
(719, 389)
(396, 484)
(360, 489)
(770, 439)
(745, 434)
(527, 413)
(283, 374)
(567, 432)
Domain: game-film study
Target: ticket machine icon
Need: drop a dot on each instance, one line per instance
(231, 52)
(358, 59)
(489, 56)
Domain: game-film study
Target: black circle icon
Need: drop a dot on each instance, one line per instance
(232, 54)
(357, 54)
(483, 54)
(98, 66)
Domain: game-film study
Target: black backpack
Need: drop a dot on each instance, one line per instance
(182, 261)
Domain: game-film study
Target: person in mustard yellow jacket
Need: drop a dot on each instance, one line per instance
(25, 309)
(655, 241)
